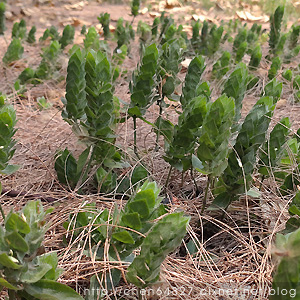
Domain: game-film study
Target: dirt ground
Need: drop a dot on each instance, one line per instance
(234, 252)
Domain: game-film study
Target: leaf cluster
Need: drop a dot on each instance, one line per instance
(14, 51)
(104, 20)
(2, 17)
(25, 270)
(143, 83)
(7, 130)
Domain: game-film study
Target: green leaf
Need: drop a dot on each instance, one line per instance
(132, 220)
(51, 290)
(16, 241)
(14, 51)
(9, 261)
(236, 86)
(66, 168)
(214, 136)
(139, 173)
(140, 206)
(192, 79)
(75, 87)
(6, 284)
(124, 237)
(35, 273)
(163, 238)
(14, 222)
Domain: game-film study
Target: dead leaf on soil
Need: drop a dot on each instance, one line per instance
(247, 16)
(76, 6)
(73, 21)
(202, 18)
(185, 64)
(112, 28)
(154, 14)
(143, 11)
(281, 103)
(8, 15)
(172, 3)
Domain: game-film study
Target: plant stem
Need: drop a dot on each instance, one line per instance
(195, 183)
(140, 295)
(2, 212)
(168, 178)
(159, 103)
(134, 138)
(132, 20)
(206, 193)
(261, 183)
(12, 295)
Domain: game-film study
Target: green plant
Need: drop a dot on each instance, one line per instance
(235, 87)
(19, 30)
(272, 149)
(25, 272)
(124, 33)
(296, 86)
(275, 27)
(104, 20)
(181, 139)
(43, 104)
(144, 31)
(286, 276)
(215, 40)
(195, 41)
(135, 6)
(2, 17)
(237, 177)
(91, 40)
(221, 66)
(293, 222)
(240, 38)
(83, 29)
(50, 32)
(255, 58)
(273, 89)
(67, 36)
(275, 67)
(26, 75)
(214, 138)
(49, 60)
(143, 85)
(134, 226)
(294, 36)
(252, 81)
(241, 50)
(163, 238)
(14, 51)
(7, 143)
(192, 79)
(91, 109)
(31, 35)
(170, 58)
(288, 75)
(155, 25)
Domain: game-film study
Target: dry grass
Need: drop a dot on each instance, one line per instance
(233, 251)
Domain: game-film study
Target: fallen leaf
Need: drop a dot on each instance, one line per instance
(8, 15)
(247, 16)
(76, 6)
(185, 64)
(172, 3)
(154, 14)
(143, 11)
(112, 28)
(99, 28)
(281, 103)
